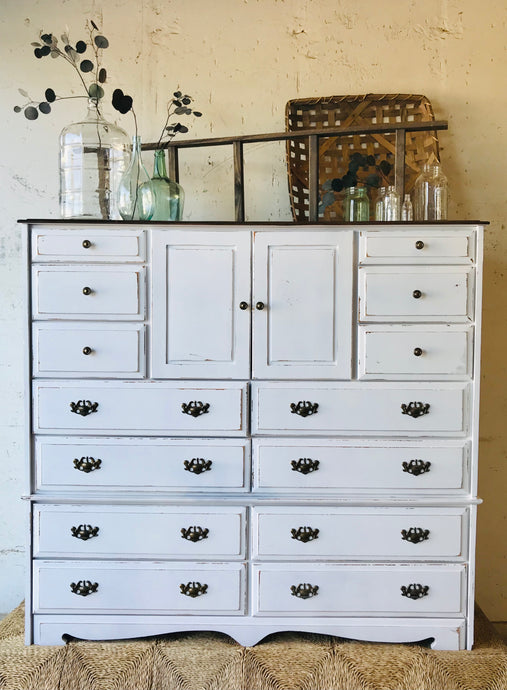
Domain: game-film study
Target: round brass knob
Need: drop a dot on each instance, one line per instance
(87, 291)
(417, 351)
(87, 350)
(419, 244)
(417, 294)
(260, 306)
(87, 244)
(243, 305)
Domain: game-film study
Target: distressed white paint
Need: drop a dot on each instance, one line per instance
(242, 62)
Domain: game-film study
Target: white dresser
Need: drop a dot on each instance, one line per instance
(253, 428)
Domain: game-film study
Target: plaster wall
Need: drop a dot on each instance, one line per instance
(242, 60)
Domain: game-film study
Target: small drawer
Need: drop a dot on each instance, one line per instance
(88, 292)
(140, 407)
(141, 464)
(129, 587)
(379, 408)
(330, 590)
(355, 466)
(415, 352)
(309, 533)
(88, 244)
(93, 531)
(416, 294)
(419, 245)
(89, 350)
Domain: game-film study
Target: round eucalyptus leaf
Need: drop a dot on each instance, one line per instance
(121, 102)
(95, 91)
(180, 110)
(31, 113)
(186, 100)
(45, 50)
(327, 199)
(47, 38)
(50, 95)
(177, 94)
(197, 113)
(37, 52)
(44, 108)
(86, 66)
(80, 46)
(101, 41)
(17, 108)
(102, 75)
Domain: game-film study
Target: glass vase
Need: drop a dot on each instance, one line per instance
(430, 194)
(356, 205)
(94, 154)
(135, 193)
(169, 196)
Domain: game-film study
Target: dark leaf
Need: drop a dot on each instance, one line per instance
(327, 199)
(169, 128)
(177, 127)
(37, 53)
(17, 109)
(177, 103)
(183, 129)
(356, 156)
(372, 180)
(180, 110)
(326, 185)
(121, 101)
(349, 179)
(177, 94)
(31, 113)
(354, 165)
(44, 107)
(80, 47)
(370, 160)
(337, 184)
(50, 95)
(95, 91)
(101, 41)
(35, 44)
(197, 113)
(94, 25)
(54, 53)
(385, 167)
(186, 100)
(86, 66)
(102, 75)
(46, 38)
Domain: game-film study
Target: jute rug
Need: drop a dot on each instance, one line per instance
(285, 661)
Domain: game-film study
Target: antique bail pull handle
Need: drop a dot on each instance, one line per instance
(83, 407)
(415, 534)
(305, 465)
(87, 464)
(84, 532)
(84, 587)
(197, 465)
(415, 591)
(305, 534)
(304, 590)
(416, 467)
(194, 408)
(415, 409)
(194, 533)
(193, 589)
(304, 408)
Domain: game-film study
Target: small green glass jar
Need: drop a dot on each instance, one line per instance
(356, 205)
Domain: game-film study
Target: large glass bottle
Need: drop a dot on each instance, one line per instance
(430, 194)
(135, 192)
(169, 196)
(93, 156)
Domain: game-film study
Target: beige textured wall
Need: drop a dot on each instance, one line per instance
(242, 60)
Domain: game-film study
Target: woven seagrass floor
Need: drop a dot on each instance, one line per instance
(285, 661)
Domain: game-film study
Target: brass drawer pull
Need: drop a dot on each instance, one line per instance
(194, 408)
(305, 534)
(415, 535)
(87, 244)
(304, 408)
(415, 591)
(305, 465)
(194, 533)
(84, 587)
(193, 589)
(83, 407)
(197, 465)
(87, 464)
(84, 532)
(87, 291)
(260, 306)
(243, 306)
(416, 467)
(304, 590)
(87, 350)
(417, 294)
(415, 409)
(419, 244)
(417, 351)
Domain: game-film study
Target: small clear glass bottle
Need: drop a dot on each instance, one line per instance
(407, 212)
(379, 204)
(430, 194)
(391, 204)
(356, 205)
(135, 191)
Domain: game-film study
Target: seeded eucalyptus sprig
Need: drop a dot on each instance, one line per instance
(74, 55)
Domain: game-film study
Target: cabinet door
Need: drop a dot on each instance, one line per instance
(303, 284)
(201, 304)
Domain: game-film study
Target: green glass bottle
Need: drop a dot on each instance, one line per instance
(168, 195)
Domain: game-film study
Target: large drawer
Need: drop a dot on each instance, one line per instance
(129, 587)
(141, 464)
(419, 352)
(310, 533)
(88, 350)
(136, 407)
(94, 531)
(420, 245)
(416, 293)
(360, 408)
(355, 466)
(289, 589)
(88, 292)
(88, 244)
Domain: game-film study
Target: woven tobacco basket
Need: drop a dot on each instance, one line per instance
(335, 152)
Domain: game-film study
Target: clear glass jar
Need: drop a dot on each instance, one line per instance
(430, 194)
(135, 191)
(407, 211)
(93, 156)
(392, 204)
(379, 204)
(356, 205)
